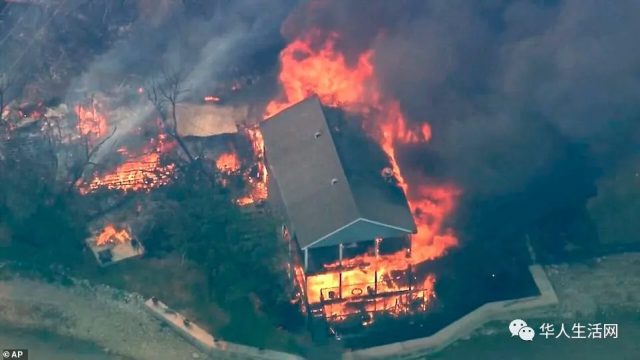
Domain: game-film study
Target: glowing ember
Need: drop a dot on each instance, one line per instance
(111, 235)
(400, 303)
(211, 99)
(228, 163)
(91, 123)
(5, 112)
(257, 182)
(139, 173)
(324, 72)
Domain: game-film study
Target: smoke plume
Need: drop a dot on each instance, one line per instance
(529, 101)
(205, 48)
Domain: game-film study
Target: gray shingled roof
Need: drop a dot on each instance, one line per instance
(324, 206)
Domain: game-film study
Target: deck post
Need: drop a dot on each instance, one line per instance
(375, 282)
(340, 251)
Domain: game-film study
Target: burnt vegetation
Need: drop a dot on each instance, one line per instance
(227, 259)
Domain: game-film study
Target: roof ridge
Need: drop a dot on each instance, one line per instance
(333, 145)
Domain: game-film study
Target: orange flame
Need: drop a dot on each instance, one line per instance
(395, 304)
(228, 163)
(324, 72)
(111, 235)
(258, 183)
(211, 99)
(91, 123)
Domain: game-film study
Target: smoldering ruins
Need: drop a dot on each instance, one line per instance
(493, 123)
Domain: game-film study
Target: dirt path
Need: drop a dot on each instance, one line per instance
(115, 322)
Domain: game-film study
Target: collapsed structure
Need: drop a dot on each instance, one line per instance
(338, 206)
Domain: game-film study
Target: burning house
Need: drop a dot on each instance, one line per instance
(323, 207)
(347, 218)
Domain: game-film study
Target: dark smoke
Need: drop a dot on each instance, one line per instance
(207, 42)
(115, 47)
(168, 35)
(530, 101)
(206, 47)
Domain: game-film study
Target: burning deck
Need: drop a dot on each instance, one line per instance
(113, 244)
(362, 302)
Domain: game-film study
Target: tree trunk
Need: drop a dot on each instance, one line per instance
(177, 136)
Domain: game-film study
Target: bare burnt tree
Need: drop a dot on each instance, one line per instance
(165, 94)
(90, 143)
(87, 161)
